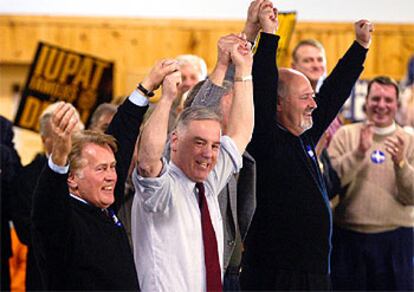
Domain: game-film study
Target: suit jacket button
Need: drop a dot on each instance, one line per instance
(230, 242)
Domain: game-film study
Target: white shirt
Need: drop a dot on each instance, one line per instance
(166, 224)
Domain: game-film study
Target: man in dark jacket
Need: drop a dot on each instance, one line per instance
(79, 242)
(288, 245)
(9, 167)
(21, 202)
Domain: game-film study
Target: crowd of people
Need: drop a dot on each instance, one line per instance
(226, 183)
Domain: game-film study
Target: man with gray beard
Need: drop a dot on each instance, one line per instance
(289, 242)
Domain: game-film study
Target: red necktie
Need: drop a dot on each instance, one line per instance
(213, 272)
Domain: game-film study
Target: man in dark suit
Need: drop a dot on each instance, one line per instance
(79, 242)
(9, 168)
(24, 184)
(288, 245)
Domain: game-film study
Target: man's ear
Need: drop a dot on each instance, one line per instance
(73, 185)
(279, 105)
(174, 139)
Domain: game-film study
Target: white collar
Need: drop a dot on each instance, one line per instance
(385, 131)
(82, 200)
(78, 198)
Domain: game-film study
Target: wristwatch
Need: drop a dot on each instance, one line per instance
(145, 91)
(243, 78)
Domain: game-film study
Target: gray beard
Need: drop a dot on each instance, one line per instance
(306, 125)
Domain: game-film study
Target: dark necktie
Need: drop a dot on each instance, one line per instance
(213, 272)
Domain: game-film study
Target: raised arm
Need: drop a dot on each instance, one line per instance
(63, 124)
(265, 80)
(50, 206)
(240, 125)
(252, 24)
(154, 133)
(363, 30)
(212, 90)
(337, 87)
(224, 46)
(265, 74)
(126, 123)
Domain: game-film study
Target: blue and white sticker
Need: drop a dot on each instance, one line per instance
(310, 152)
(114, 218)
(377, 156)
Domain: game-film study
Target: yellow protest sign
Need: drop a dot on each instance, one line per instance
(58, 74)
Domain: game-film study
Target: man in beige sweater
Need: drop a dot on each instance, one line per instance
(373, 233)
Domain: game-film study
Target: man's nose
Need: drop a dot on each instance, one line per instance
(187, 83)
(381, 103)
(111, 174)
(313, 103)
(207, 151)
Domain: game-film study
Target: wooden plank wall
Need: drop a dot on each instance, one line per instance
(392, 45)
(135, 44)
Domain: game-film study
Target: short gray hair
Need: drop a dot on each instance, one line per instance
(197, 62)
(196, 113)
(102, 109)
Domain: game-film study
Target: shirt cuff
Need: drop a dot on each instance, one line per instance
(57, 168)
(138, 99)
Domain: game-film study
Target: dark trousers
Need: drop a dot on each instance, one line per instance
(379, 261)
(5, 274)
(231, 279)
(266, 279)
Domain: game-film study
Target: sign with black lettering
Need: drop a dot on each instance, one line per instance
(58, 74)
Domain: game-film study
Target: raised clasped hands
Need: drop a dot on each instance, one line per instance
(260, 15)
(227, 43)
(268, 17)
(170, 85)
(241, 55)
(158, 72)
(252, 25)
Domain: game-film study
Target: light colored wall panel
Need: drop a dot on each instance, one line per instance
(135, 44)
